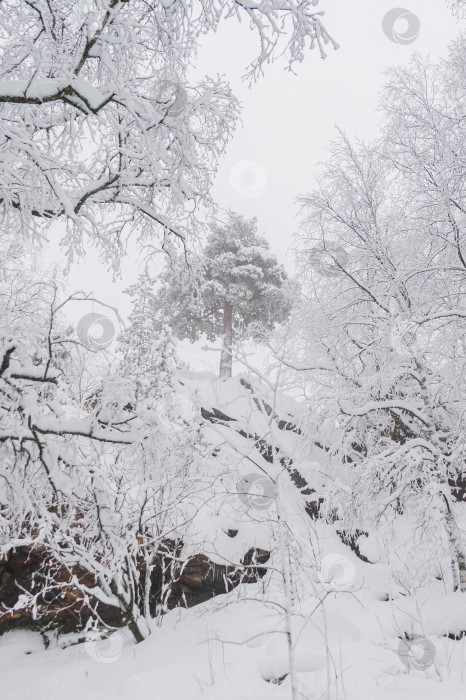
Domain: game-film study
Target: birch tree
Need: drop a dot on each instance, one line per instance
(99, 126)
(382, 256)
(98, 483)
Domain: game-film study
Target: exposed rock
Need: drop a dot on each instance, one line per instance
(264, 406)
(24, 570)
(201, 579)
(458, 487)
(62, 606)
(231, 533)
(313, 501)
(351, 539)
(216, 416)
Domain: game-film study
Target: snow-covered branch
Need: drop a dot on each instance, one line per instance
(98, 124)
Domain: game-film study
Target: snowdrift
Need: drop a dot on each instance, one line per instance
(327, 612)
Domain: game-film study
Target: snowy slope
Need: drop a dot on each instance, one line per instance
(349, 618)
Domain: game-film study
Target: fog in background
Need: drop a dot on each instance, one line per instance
(287, 124)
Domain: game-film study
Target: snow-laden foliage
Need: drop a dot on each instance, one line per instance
(242, 290)
(99, 483)
(330, 607)
(343, 510)
(458, 7)
(383, 251)
(98, 123)
(148, 347)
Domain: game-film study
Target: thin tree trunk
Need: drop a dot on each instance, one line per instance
(226, 360)
(286, 573)
(458, 559)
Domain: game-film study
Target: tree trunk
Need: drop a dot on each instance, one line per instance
(226, 360)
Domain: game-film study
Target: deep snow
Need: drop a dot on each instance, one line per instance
(350, 618)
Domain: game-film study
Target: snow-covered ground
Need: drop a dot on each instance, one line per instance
(231, 648)
(361, 629)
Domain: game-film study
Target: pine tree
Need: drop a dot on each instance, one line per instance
(242, 291)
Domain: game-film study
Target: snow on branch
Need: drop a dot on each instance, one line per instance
(98, 124)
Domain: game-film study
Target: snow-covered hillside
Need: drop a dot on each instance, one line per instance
(296, 531)
(351, 615)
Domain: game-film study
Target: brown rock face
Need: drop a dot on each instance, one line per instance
(201, 579)
(63, 606)
(58, 604)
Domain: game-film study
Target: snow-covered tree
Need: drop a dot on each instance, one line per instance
(242, 291)
(98, 124)
(380, 336)
(97, 483)
(147, 346)
(458, 7)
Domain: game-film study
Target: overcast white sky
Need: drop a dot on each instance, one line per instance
(288, 121)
